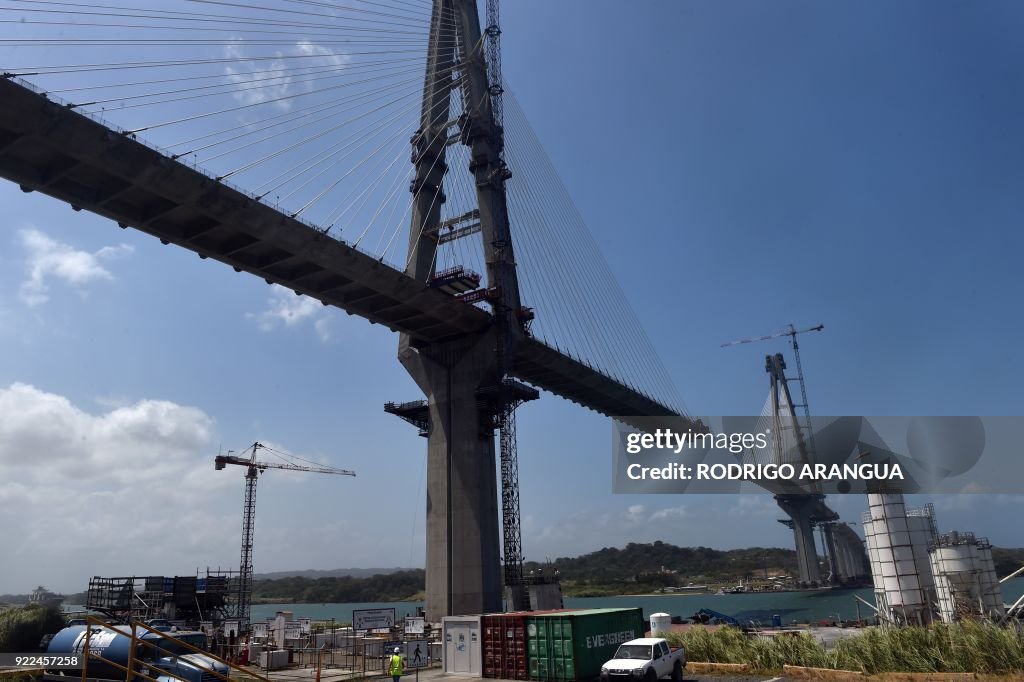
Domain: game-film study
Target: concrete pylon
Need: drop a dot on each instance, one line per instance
(799, 508)
(832, 551)
(463, 564)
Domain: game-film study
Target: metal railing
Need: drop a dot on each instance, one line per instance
(141, 667)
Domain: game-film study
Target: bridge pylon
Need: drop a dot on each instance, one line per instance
(466, 379)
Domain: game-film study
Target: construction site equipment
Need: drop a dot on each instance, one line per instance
(186, 598)
(253, 468)
(139, 652)
(966, 583)
(898, 540)
(709, 616)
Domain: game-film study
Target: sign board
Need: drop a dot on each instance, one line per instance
(259, 629)
(372, 619)
(292, 630)
(417, 651)
(206, 626)
(304, 625)
(414, 625)
(229, 627)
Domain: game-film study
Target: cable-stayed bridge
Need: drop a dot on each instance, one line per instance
(284, 138)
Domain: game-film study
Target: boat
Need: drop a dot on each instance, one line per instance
(43, 596)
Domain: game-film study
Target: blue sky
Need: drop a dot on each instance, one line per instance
(742, 166)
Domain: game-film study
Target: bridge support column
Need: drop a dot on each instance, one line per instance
(799, 508)
(463, 543)
(836, 567)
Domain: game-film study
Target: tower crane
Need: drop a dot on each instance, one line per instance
(807, 510)
(253, 469)
(775, 369)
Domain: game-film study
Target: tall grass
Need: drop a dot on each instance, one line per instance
(967, 647)
(21, 627)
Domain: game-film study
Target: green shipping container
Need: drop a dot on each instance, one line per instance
(573, 645)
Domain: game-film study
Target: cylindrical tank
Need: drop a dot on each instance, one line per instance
(897, 540)
(661, 624)
(113, 644)
(991, 593)
(965, 578)
(109, 643)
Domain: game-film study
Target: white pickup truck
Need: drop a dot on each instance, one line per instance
(646, 659)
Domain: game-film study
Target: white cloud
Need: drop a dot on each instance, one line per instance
(698, 522)
(256, 88)
(636, 513)
(276, 81)
(754, 504)
(49, 259)
(669, 513)
(285, 309)
(331, 57)
(100, 494)
(323, 328)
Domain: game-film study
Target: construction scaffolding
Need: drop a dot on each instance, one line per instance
(192, 599)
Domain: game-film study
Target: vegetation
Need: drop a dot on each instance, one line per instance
(22, 627)
(968, 647)
(640, 568)
(634, 569)
(1007, 560)
(399, 586)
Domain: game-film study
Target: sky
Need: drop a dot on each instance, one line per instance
(742, 166)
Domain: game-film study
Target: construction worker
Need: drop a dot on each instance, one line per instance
(396, 667)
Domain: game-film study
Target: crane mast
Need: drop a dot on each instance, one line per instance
(253, 468)
(805, 511)
(245, 564)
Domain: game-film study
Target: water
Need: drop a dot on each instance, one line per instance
(759, 606)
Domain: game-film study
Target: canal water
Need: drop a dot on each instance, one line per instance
(759, 607)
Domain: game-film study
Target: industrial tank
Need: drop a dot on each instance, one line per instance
(897, 541)
(113, 644)
(966, 583)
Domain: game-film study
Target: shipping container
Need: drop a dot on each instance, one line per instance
(504, 643)
(573, 645)
(461, 641)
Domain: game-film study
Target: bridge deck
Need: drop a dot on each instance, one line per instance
(49, 148)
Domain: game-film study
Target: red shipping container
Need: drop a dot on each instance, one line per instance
(504, 644)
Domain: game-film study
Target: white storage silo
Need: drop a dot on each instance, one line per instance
(965, 578)
(897, 541)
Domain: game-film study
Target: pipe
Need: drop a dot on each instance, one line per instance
(1012, 575)
(1009, 611)
(875, 608)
